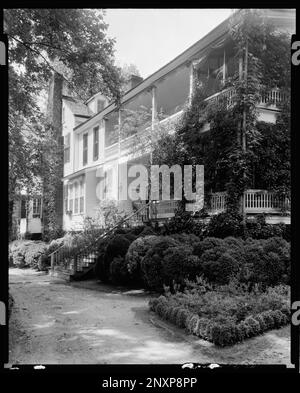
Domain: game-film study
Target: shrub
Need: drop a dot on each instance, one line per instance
(136, 252)
(147, 231)
(219, 265)
(101, 272)
(212, 313)
(181, 317)
(279, 318)
(116, 247)
(262, 324)
(225, 224)
(254, 325)
(152, 263)
(192, 323)
(118, 271)
(27, 253)
(186, 239)
(175, 266)
(268, 319)
(55, 244)
(184, 222)
(34, 253)
(206, 244)
(223, 332)
(153, 303)
(235, 243)
(258, 229)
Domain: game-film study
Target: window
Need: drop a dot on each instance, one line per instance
(71, 198)
(67, 148)
(85, 149)
(76, 199)
(66, 188)
(36, 208)
(100, 105)
(23, 208)
(81, 202)
(96, 143)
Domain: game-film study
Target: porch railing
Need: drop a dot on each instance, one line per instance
(269, 98)
(255, 201)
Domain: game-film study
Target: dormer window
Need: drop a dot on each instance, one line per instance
(100, 105)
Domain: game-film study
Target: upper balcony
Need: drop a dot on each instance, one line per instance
(163, 102)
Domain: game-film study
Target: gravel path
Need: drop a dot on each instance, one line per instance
(54, 322)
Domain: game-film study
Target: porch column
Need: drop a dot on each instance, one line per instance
(224, 67)
(154, 106)
(240, 68)
(192, 81)
(119, 149)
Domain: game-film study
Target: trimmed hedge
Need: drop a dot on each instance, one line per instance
(221, 331)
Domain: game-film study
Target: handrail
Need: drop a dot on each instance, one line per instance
(122, 221)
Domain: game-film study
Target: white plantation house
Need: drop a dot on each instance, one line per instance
(94, 150)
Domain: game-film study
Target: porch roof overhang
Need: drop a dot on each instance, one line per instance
(199, 49)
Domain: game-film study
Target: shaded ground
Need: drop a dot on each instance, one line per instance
(54, 322)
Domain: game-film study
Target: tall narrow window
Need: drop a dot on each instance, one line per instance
(85, 149)
(66, 188)
(36, 208)
(81, 201)
(76, 199)
(96, 143)
(67, 148)
(23, 208)
(71, 198)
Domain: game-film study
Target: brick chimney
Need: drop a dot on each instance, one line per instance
(54, 117)
(133, 81)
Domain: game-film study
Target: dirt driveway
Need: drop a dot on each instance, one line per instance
(54, 322)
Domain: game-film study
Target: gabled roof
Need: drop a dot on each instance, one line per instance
(77, 106)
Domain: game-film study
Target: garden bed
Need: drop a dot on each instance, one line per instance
(225, 314)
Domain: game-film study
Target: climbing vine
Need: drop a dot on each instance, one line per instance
(240, 151)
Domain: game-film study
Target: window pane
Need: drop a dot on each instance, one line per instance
(36, 209)
(85, 148)
(67, 155)
(96, 143)
(76, 206)
(81, 204)
(100, 105)
(23, 208)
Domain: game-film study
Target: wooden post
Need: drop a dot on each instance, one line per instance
(154, 107)
(192, 80)
(224, 67)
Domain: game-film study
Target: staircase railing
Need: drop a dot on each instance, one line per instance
(66, 258)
